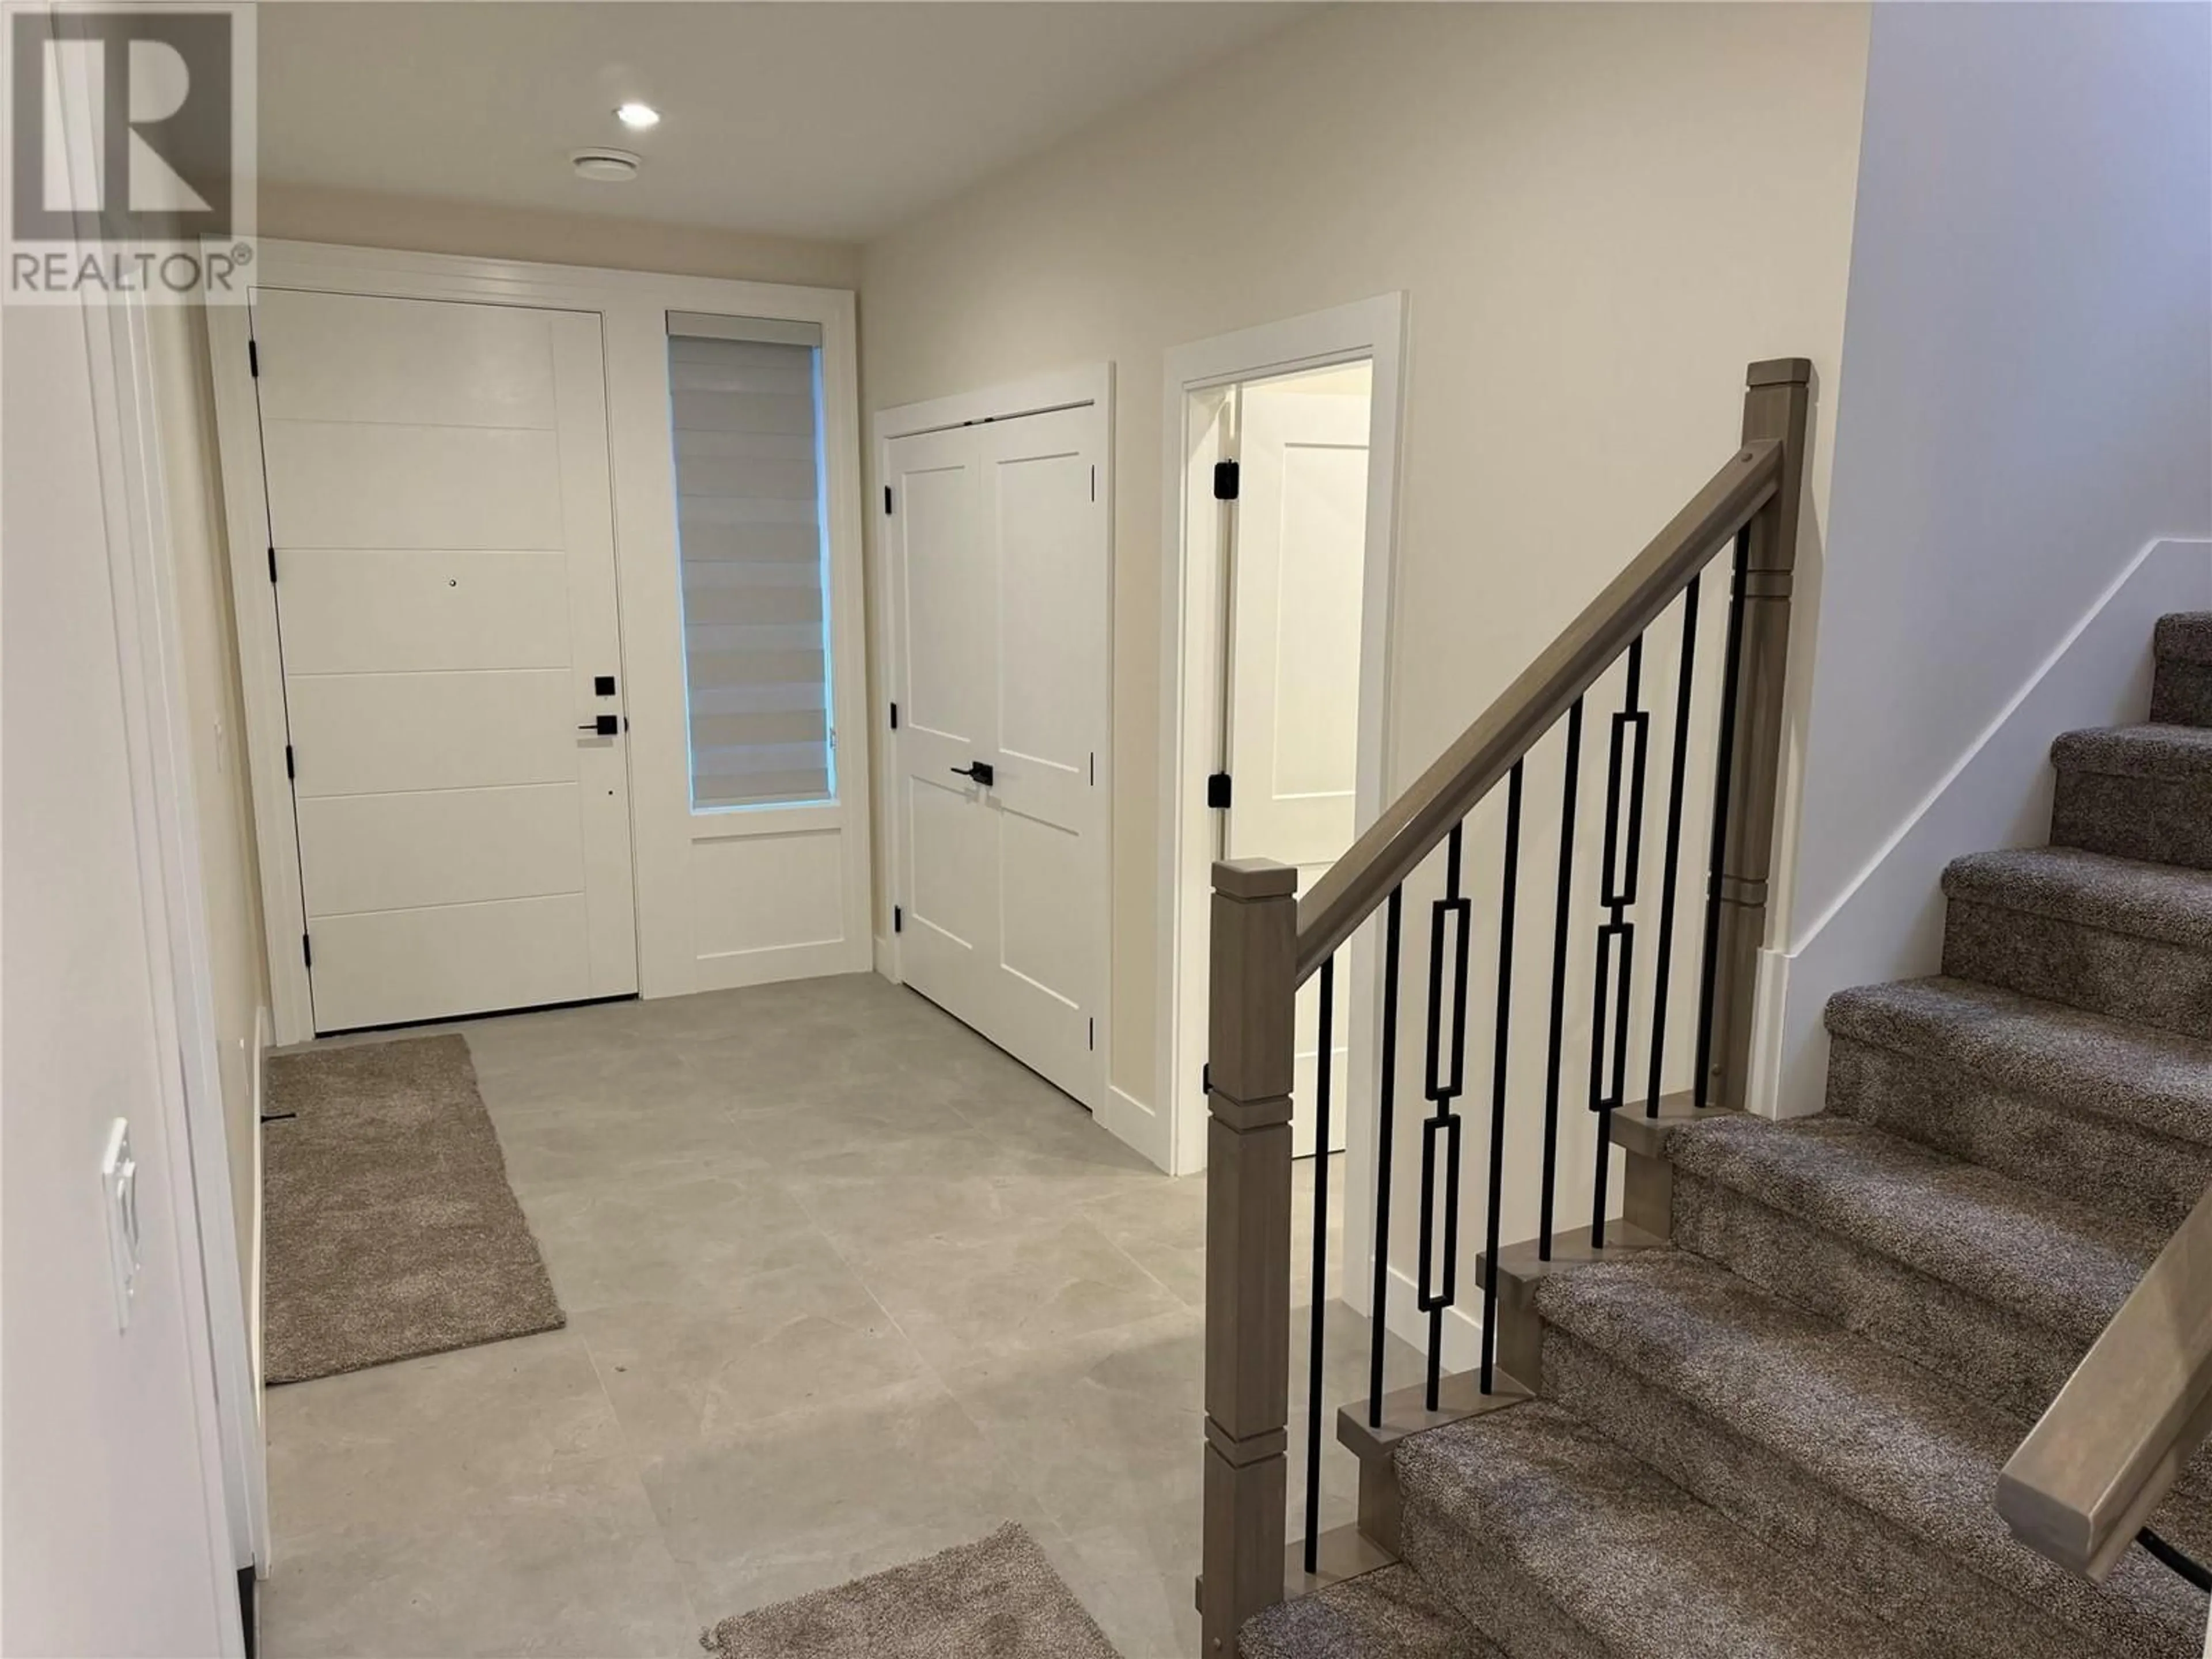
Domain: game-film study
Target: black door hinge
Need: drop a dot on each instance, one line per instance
(1224, 481)
(1217, 791)
(272, 563)
(1206, 1078)
(1094, 1036)
(253, 357)
(291, 768)
(887, 501)
(894, 717)
(898, 920)
(306, 951)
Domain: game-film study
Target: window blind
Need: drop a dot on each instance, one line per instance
(746, 406)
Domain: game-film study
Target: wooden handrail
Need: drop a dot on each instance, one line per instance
(2134, 1412)
(1412, 826)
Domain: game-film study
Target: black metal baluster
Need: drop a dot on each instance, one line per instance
(1723, 764)
(1498, 1057)
(1386, 1090)
(1443, 1088)
(1323, 1067)
(1662, 970)
(1567, 789)
(1616, 938)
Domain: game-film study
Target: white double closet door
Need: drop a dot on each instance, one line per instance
(1298, 568)
(999, 565)
(444, 559)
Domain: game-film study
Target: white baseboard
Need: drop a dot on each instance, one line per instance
(1129, 1121)
(887, 959)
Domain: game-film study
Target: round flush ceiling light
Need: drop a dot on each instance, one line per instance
(606, 166)
(638, 117)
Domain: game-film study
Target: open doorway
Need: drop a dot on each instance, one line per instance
(1282, 441)
(1293, 490)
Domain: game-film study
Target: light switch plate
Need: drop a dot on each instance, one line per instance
(118, 1202)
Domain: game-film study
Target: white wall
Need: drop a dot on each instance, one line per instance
(1598, 213)
(2027, 405)
(111, 1540)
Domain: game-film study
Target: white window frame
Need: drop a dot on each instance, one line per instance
(1191, 624)
(633, 308)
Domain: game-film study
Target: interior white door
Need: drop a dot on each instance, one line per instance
(999, 566)
(444, 559)
(1297, 565)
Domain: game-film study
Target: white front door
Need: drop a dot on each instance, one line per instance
(444, 558)
(999, 565)
(1298, 566)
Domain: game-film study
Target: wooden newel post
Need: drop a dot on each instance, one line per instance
(1248, 1245)
(1777, 404)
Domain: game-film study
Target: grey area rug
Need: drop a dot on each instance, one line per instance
(997, 1598)
(390, 1230)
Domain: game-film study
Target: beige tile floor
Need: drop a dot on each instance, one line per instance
(845, 1286)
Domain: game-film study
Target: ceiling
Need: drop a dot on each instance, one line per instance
(833, 120)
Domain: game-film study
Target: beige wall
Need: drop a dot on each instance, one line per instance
(228, 872)
(1599, 215)
(422, 225)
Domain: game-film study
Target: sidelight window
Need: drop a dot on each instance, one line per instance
(746, 405)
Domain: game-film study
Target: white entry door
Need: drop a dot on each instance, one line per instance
(444, 559)
(1298, 566)
(999, 564)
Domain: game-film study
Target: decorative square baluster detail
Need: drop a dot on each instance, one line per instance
(1442, 1128)
(1616, 951)
(1622, 861)
(1461, 913)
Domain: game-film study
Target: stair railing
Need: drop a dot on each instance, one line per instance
(1267, 942)
(2083, 1484)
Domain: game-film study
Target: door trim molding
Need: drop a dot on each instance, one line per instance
(1190, 690)
(632, 308)
(188, 1108)
(1088, 385)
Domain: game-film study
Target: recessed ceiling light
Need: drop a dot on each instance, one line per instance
(638, 117)
(606, 166)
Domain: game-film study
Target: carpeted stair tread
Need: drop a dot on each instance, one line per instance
(1867, 1426)
(2184, 636)
(2160, 1081)
(2135, 792)
(2027, 1251)
(1386, 1614)
(2150, 751)
(2181, 680)
(1558, 1543)
(2090, 890)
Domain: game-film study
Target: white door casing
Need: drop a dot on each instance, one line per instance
(997, 555)
(439, 516)
(1192, 720)
(1298, 555)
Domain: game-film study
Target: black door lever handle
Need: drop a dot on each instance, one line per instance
(604, 726)
(978, 770)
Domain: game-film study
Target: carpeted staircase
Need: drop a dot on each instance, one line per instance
(1781, 1436)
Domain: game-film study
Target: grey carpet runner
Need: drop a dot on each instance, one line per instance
(392, 1231)
(1781, 1436)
